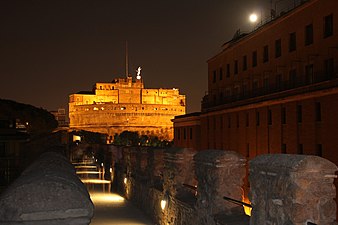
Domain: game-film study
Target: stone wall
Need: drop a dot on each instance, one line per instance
(177, 186)
(47, 192)
(219, 174)
(292, 189)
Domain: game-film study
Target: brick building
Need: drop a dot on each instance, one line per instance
(273, 90)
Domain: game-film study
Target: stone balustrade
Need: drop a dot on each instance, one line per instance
(47, 192)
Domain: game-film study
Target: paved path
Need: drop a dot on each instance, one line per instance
(111, 209)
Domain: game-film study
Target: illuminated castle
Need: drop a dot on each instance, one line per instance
(124, 104)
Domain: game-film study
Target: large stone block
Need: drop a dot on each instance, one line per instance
(48, 192)
(219, 173)
(292, 189)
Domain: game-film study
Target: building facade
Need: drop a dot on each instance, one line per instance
(61, 117)
(125, 105)
(274, 90)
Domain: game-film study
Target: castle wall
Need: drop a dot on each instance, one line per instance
(125, 105)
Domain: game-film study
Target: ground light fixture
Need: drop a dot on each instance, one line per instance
(164, 201)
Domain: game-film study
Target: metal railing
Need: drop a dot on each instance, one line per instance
(237, 202)
(207, 102)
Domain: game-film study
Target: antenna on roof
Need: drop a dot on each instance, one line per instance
(127, 69)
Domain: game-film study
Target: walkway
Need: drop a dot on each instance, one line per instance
(112, 209)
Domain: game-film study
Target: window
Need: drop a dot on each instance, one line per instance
(292, 77)
(319, 150)
(221, 122)
(299, 114)
(245, 63)
(229, 121)
(247, 119)
(328, 26)
(309, 76)
(184, 133)
(236, 67)
(292, 42)
(255, 84)
(237, 120)
(220, 73)
(190, 133)
(283, 115)
(309, 34)
(278, 48)
(278, 81)
(228, 70)
(2, 150)
(214, 77)
(266, 83)
(178, 133)
(254, 59)
(318, 111)
(300, 149)
(266, 54)
(269, 117)
(283, 148)
(247, 150)
(245, 89)
(257, 119)
(329, 68)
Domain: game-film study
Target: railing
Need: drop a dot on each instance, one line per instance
(271, 89)
(237, 202)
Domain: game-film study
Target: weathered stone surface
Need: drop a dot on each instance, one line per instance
(48, 190)
(178, 170)
(219, 173)
(292, 189)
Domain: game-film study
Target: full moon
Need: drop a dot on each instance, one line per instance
(253, 18)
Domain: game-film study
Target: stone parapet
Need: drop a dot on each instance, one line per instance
(219, 173)
(178, 170)
(47, 192)
(292, 189)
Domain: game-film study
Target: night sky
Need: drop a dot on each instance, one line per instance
(52, 48)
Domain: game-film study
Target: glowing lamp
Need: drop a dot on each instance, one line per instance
(164, 201)
(163, 204)
(125, 180)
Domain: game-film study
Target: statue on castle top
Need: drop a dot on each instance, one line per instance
(138, 75)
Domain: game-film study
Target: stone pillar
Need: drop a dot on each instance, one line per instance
(219, 173)
(292, 189)
(178, 170)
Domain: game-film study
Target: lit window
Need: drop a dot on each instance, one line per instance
(95, 108)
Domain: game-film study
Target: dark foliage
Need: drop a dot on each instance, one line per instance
(130, 138)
